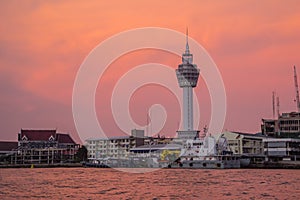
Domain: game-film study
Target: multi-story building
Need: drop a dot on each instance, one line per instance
(44, 146)
(286, 126)
(277, 149)
(244, 143)
(269, 127)
(159, 140)
(114, 147)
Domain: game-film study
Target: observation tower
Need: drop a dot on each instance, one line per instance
(187, 75)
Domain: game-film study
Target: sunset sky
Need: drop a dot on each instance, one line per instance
(255, 45)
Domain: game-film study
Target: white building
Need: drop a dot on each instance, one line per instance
(244, 143)
(114, 147)
(277, 149)
(286, 126)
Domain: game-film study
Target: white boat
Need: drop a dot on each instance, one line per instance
(206, 153)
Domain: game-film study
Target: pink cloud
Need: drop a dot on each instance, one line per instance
(43, 44)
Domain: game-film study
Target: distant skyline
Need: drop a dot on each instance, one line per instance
(255, 45)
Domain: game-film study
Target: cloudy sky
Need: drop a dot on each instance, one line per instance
(255, 45)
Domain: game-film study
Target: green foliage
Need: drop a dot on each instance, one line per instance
(81, 154)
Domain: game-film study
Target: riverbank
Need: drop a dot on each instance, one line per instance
(64, 165)
(275, 165)
(264, 165)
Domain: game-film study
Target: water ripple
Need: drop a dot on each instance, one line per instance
(91, 183)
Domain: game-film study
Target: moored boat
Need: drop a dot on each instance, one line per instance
(206, 153)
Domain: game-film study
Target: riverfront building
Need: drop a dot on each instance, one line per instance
(43, 147)
(114, 147)
(286, 126)
(282, 149)
(260, 147)
(245, 143)
(121, 146)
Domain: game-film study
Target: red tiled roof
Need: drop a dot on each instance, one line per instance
(64, 138)
(44, 135)
(38, 135)
(8, 146)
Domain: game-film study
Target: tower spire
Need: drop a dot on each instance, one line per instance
(187, 48)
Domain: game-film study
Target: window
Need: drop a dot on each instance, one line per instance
(51, 138)
(24, 138)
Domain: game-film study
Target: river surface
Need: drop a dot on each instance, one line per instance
(96, 183)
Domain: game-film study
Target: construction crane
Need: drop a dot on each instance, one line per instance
(273, 104)
(297, 89)
(278, 107)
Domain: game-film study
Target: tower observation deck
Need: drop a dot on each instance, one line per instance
(187, 75)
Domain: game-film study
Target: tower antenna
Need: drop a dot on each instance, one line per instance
(187, 34)
(297, 89)
(187, 48)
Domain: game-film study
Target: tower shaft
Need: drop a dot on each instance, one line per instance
(188, 108)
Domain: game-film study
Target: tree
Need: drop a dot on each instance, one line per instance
(81, 154)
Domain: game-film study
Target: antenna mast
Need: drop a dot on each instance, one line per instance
(297, 90)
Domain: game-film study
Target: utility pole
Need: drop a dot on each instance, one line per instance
(273, 104)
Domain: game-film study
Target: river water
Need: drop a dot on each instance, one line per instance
(97, 183)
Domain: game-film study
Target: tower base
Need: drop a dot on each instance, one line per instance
(188, 135)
